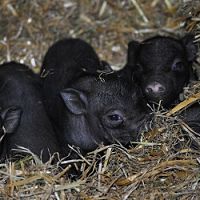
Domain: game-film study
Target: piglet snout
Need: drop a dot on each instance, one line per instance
(155, 88)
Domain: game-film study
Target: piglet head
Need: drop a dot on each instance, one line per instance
(162, 66)
(109, 111)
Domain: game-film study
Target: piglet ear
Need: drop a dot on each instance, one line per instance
(11, 118)
(133, 46)
(191, 48)
(76, 101)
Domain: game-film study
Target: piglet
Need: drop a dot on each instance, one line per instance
(162, 66)
(23, 112)
(88, 108)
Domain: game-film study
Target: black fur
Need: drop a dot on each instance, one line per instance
(20, 87)
(87, 110)
(65, 61)
(162, 66)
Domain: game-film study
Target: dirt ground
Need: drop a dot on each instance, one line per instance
(152, 170)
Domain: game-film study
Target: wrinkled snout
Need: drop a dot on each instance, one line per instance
(155, 89)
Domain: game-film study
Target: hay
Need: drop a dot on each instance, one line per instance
(161, 165)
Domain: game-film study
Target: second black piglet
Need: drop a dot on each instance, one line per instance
(162, 66)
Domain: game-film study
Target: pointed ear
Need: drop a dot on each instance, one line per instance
(75, 101)
(132, 48)
(11, 118)
(190, 47)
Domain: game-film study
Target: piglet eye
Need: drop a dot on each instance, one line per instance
(177, 66)
(115, 117)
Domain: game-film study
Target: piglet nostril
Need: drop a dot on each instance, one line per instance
(148, 90)
(161, 89)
